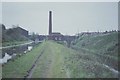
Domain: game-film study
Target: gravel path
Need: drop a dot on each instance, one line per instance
(31, 70)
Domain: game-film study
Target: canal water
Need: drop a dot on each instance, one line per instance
(12, 52)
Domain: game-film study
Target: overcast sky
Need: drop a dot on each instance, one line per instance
(68, 18)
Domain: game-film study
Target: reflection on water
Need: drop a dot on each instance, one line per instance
(9, 53)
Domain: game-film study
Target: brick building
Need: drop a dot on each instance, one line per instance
(21, 31)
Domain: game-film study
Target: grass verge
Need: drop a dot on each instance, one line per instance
(18, 68)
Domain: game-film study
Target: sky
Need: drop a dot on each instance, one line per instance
(68, 17)
(60, 0)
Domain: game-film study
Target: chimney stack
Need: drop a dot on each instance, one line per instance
(50, 22)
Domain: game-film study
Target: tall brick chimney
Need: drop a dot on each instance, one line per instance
(50, 22)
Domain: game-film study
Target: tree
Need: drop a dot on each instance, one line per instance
(34, 36)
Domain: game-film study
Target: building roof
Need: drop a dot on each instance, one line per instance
(56, 33)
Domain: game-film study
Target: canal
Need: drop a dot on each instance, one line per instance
(9, 53)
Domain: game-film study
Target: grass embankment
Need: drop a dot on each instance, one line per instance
(19, 67)
(57, 61)
(102, 46)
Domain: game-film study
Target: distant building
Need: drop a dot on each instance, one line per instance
(21, 31)
(17, 33)
(42, 37)
(57, 36)
(53, 35)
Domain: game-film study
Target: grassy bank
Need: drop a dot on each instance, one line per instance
(102, 46)
(58, 61)
(19, 67)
